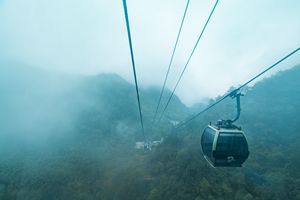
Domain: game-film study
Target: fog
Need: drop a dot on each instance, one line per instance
(69, 135)
(65, 126)
(36, 103)
(52, 123)
(241, 40)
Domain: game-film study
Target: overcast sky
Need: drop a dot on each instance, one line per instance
(89, 37)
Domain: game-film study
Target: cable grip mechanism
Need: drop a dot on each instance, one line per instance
(228, 123)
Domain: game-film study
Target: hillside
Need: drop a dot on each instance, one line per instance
(33, 96)
(270, 119)
(62, 133)
(73, 137)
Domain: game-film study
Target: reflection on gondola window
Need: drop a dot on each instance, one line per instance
(207, 142)
(231, 142)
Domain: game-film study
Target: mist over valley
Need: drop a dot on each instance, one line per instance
(74, 137)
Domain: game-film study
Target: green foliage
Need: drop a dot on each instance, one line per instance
(154, 195)
(205, 188)
(97, 159)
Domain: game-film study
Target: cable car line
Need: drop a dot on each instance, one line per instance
(133, 65)
(204, 110)
(225, 144)
(270, 67)
(188, 62)
(236, 90)
(170, 63)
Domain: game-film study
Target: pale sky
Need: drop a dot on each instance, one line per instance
(89, 37)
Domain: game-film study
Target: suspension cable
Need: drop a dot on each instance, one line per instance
(234, 91)
(188, 61)
(133, 65)
(170, 63)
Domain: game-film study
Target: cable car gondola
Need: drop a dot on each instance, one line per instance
(225, 144)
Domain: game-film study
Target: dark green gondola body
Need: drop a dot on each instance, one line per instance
(224, 147)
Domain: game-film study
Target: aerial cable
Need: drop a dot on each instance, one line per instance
(270, 67)
(236, 90)
(188, 62)
(133, 65)
(170, 63)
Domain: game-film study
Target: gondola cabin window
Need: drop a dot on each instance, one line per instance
(207, 142)
(224, 147)
(234, 143)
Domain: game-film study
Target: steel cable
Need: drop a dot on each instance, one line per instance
(133, 65)
(170, 63)
(234, 91)
(187, 62)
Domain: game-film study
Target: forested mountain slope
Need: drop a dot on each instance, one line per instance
(118, 102)
(270, 119)
(30, 94)
(73, 137)
(63, 136)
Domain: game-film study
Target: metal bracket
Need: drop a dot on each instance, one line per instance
(228, 123)
(237, 95)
